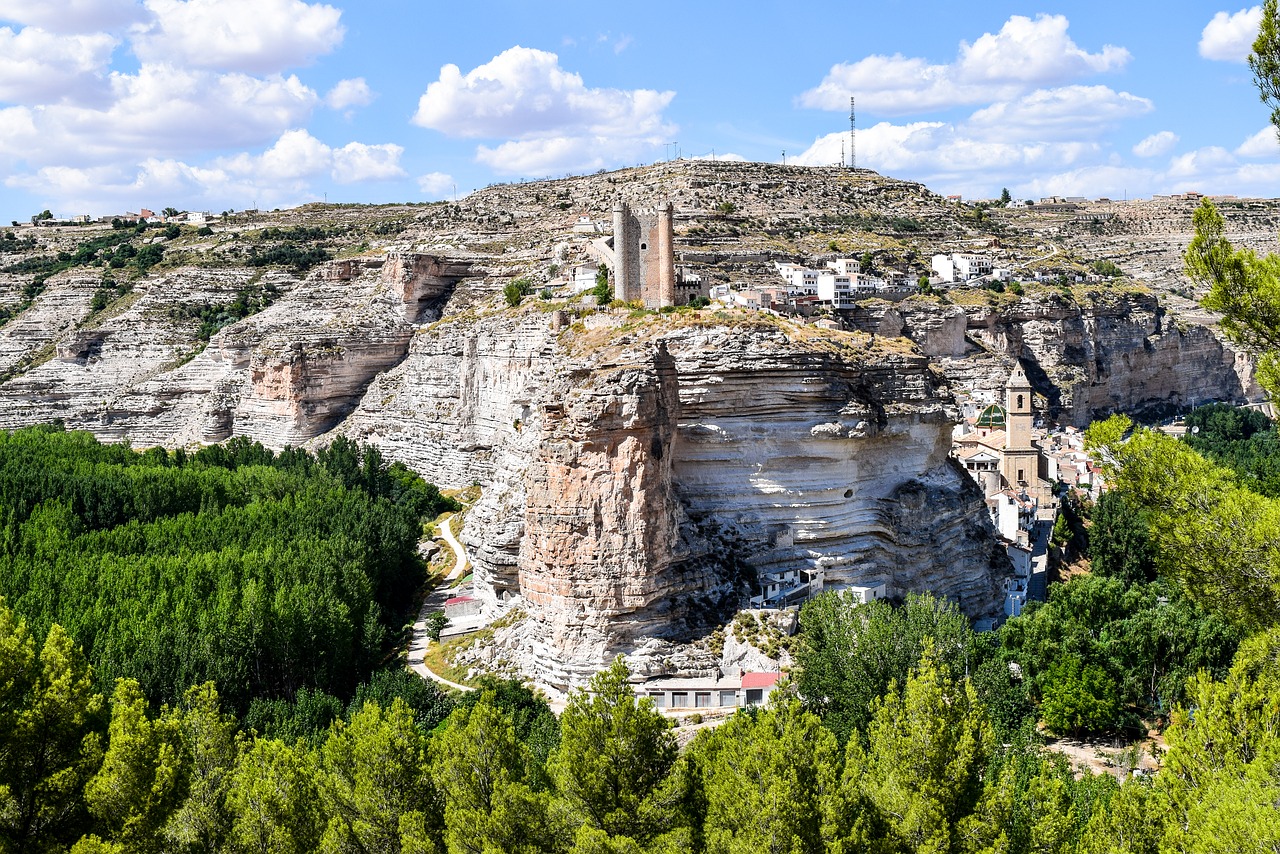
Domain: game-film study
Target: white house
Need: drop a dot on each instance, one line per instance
(943, 268)
(865, 593)
(846, 266)
(835, 290)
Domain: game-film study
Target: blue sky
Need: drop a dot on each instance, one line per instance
(108, 105)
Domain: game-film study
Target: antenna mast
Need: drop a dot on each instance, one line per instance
(853, 135)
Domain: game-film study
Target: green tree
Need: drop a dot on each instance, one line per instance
(927, 748)
(1264, 60)
(479, 765)
(51, 748)
(1079, 698)
(603, 291)
(1214, 537)
(1005, 197)
(772, 783)
(1119, 540)
(1243, 287)
(201, 822)
(142, 776)
(273, 801)
(374, 782)
(851, 652)
(614, 751)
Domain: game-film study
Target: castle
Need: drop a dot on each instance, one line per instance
(644, 265)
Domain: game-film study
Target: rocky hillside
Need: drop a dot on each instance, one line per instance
(640, 470)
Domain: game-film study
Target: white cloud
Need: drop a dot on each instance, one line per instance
(944, 154)
(349, 93)
(1202, 161)
(1157, 144)
(1025, 53)
(73, 16)
(298, 155)
(161, 111)
(552, 122)
(1110, 181)
(435, 184)
(280, 175)
(37, 66)
(1229, 37)
(524, 92)
(357, 162)
(561, 154)
(1264, 143)
(254, 36)
(1069, 112)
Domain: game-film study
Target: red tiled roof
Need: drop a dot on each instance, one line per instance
(760, 680)
(458, 600)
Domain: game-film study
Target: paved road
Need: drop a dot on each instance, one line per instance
(460, 561)
(419, 640)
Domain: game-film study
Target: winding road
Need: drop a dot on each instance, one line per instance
(419, 640)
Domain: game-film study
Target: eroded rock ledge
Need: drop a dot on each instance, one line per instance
(640, 473)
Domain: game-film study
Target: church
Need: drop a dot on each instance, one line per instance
(999, 453)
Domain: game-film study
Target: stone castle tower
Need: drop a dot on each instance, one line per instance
(1021, 460)
(644, 261)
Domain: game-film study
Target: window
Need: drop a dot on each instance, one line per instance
(679, 699)
(728, 699)
(755, 696)
(702, 700)
(644, 246)
(1020, 398)
(659, 699)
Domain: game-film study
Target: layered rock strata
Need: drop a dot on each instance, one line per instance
(1117, 352)
(639, 481)
(282, 376)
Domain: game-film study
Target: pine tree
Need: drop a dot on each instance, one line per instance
(927, 748)
(614, 752)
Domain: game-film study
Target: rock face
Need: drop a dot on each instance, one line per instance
(1119, 353)
(282, 376)
(639, 480)
(1115, 352)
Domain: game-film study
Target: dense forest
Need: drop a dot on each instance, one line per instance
(263, 573)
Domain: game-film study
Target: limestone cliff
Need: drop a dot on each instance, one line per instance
(640, 475)
(1089, 354)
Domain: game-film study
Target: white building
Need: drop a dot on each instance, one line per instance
(835, 290)
(846, 266)
(960, 267)
(864, 593)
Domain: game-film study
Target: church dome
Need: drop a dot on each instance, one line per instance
(992, 418)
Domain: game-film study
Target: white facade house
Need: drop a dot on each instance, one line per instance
(960, 267)
(728, 691)
(835, 290)
(846, 266)
(971, 266)
(865, 593)
(789, 587)
(943, 268)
